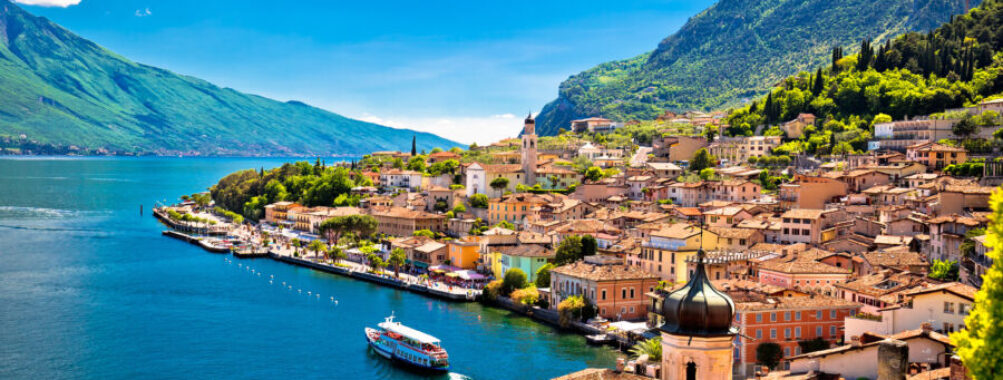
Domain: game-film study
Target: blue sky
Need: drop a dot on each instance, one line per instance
(462, 69)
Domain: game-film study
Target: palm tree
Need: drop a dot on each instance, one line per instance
(337, 254)
(651, 347)
(397, 259)
(317, 246)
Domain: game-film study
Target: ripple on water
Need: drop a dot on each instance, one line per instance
(35, 212)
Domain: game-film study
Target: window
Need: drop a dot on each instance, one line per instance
(773, 333)
(604, 295)
(818, 315)
(818, 331)
(787, 351)
(962, 309)
(623, 293)
(832, 331)
(631, 294)
(759, 334)
(797, 332)
(797, 315)
(787, 315)
(759, 317)
(949, 307)
(773, 317)
(787, 333)
(832, 314)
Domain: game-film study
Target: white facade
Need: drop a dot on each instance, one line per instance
(863, 362)
(476, 182)
(945, 311)
(407, 179)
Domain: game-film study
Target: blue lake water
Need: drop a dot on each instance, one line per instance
(89, 289)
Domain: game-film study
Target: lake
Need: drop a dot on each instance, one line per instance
(90, 289)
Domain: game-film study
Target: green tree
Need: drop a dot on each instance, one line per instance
(701, 160)
(499, 183)
(569, 251)
(589, 245)
(543, 275)
(944, 270)
(478, 201)
(360, 225)
(526, 296)
(514, 279)
(977, 344)
(812, 345)
(336, 254)
(416, 163)
(397, 258)
(965, 127)
(425, 233)
(317, 247)
(651, 347)
(769, 354)
(707, 174)
(593, 174)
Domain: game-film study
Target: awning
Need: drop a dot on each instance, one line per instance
(470, 275)
(452, 274)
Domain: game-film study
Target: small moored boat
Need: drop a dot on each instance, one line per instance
(397, 342)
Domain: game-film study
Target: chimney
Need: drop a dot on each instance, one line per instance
(926, 326)
(893, 359)
(958, 370)
(855, 341)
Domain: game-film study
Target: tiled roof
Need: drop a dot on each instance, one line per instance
(592, 272)
(796, 303)
(804, 213)
(802, 267)
(962, 290)
(526, 250)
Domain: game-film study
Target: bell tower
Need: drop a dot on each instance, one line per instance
(528, 150)
(697, 337)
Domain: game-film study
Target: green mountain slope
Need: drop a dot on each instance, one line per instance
(734, 51)
(58, 88)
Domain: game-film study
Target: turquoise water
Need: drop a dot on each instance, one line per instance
(89, 289)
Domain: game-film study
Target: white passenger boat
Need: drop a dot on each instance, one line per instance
(395, 341)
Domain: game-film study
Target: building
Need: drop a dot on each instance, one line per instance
(737, 150)
(515, 208)
(594, 125)
(862, 359)
(936, 156)
(811, 192)
(795, 128)
(944, 307)
(801, 274)
(400, 221)
(667, 249)
(787, 321)
(279, 211)
(812, 226)
(404, 179)
(616, 290)
(698, 340)
(677, 148)
(527, 257)
(464, 253)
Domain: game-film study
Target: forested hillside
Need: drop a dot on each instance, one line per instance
(958, 64)
(734, 51)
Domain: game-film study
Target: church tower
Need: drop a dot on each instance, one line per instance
(697, 337)
(528, 150)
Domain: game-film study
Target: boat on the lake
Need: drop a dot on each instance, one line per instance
(394, 341)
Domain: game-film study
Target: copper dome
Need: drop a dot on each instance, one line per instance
(698, 309)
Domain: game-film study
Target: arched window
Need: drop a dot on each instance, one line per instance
(691, 371)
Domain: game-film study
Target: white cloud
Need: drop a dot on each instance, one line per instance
(49, 3)
(464, 129)
(143, 12)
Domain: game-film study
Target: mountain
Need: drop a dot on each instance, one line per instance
(60, 89)
(734, 51)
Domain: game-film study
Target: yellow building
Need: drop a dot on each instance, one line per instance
(493, 261)
(514, 208)
(668, 248)
(463, 254)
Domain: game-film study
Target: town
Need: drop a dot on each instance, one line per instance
(637, 234)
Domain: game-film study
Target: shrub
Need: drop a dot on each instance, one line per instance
(514, 279)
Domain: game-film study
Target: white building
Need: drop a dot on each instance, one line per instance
(943, 306)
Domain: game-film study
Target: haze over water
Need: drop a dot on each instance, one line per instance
(90, 289)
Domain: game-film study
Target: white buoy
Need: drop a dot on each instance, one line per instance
(332, 298)
(335, 302)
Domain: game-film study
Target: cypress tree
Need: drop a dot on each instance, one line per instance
(819, 83)
(414, 147)
(768, 108)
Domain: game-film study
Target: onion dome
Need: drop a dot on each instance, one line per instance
(698, 309)
(529, 119)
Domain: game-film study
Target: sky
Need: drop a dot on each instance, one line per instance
(466, 70)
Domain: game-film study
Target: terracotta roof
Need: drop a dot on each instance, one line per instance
(802, 267)
(525, 250)
(796, 303)
(959, 289)
(581, 269)
(677, 231)
(734, 233)
(804, 213)
(502, 168)
(905, 335)
(600, 374)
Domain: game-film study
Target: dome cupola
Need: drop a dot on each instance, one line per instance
(698, 309)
